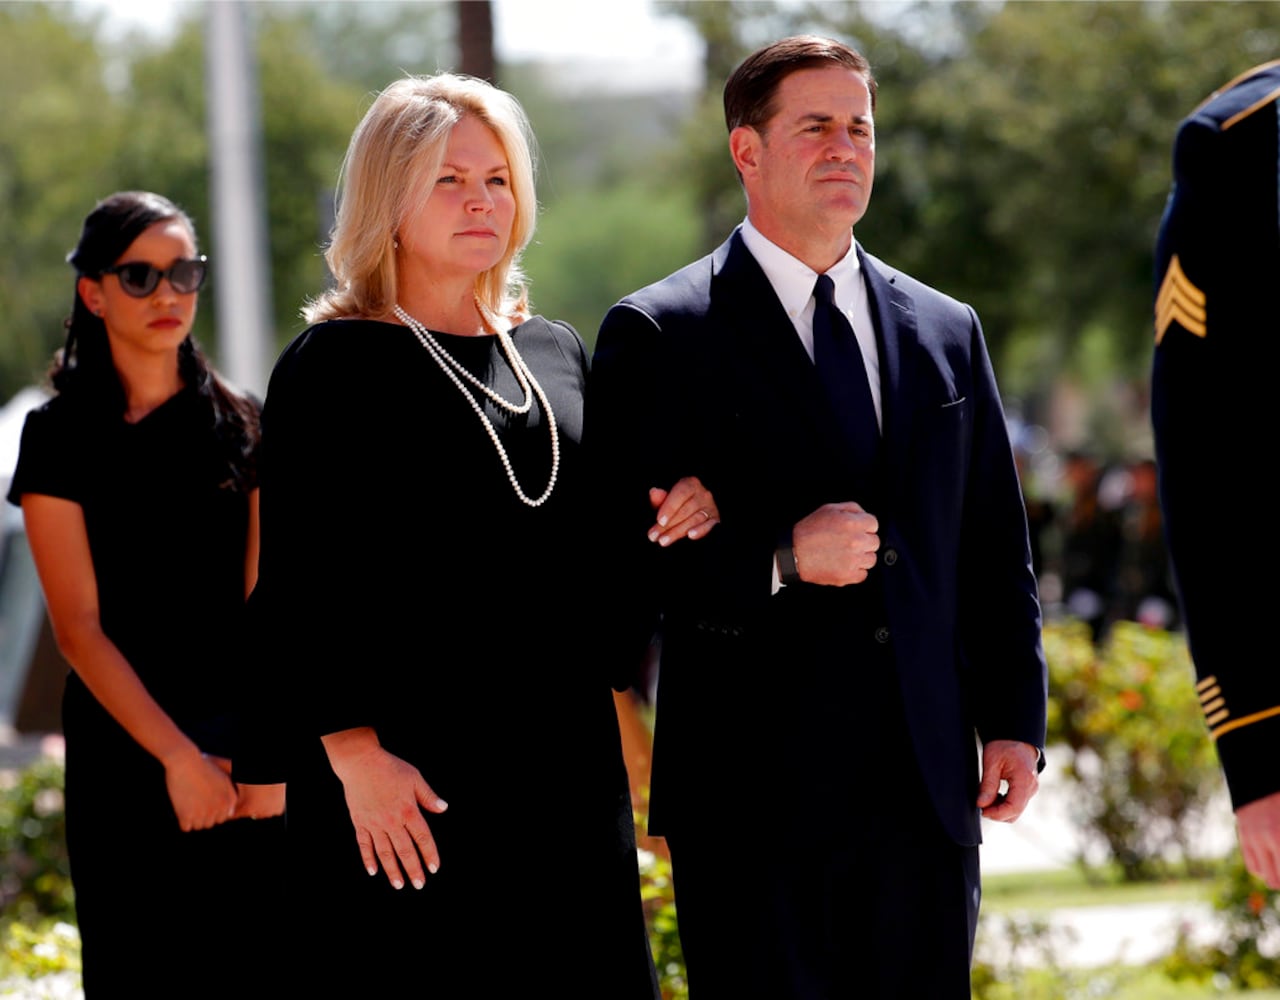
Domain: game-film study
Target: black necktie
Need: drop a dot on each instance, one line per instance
(843, 374)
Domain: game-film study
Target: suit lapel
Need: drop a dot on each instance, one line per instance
(762, 337)
(894, 316)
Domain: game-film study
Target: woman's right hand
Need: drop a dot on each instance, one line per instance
(386, 796)
(201, 792)
(687, 510)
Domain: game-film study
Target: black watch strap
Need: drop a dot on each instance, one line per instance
(785, 553)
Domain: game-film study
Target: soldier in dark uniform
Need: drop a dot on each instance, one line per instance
(1217, 314)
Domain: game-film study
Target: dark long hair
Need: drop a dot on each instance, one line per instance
(83, 368)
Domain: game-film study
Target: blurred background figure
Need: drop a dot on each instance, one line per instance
(1143, 590)
(1090, 542)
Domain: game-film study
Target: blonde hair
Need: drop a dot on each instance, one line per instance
(388, 172)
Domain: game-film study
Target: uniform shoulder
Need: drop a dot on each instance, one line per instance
(1241, 97)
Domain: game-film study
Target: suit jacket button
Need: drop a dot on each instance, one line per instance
(890, 556)
(882, 634)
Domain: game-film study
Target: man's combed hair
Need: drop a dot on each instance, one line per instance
(749, 93)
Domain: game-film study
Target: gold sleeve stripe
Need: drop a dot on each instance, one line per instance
(1179, 300)
(1241, 115)
(1206, 682)
(1247, 720)
(1213, 706)
(1213, 720)
(1208, 693)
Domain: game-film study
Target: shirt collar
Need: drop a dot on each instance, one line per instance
(792, 279)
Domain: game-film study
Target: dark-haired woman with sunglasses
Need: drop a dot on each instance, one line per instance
(138, 486)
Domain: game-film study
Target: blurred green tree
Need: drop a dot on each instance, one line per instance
(1023, 153)
(56, 138)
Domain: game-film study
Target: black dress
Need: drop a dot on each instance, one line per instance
(404, 586)
(158, 909)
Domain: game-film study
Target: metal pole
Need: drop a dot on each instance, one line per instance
(241, 271)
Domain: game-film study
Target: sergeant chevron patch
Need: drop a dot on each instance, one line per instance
(1179, 301)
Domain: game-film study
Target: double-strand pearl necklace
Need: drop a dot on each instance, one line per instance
(524, 377)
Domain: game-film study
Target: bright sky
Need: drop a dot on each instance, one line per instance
(629, 35)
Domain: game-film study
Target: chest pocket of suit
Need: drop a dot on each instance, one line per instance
(941, 442)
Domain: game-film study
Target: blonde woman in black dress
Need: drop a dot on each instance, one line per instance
(138, 487)
(425, 593)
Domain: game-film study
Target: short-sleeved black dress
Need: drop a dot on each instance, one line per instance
(404, 586)
(157, 908)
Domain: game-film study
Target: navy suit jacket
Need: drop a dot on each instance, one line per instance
(771, 696)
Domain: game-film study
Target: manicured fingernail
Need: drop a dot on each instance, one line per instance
(372, 870)
(694, 532)
(397, 883)
(442, 804)
(653, 535)
(662, 521)
(664, 540)
(433, 867)
(418, 883)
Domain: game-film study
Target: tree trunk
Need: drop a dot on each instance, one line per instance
(475, 39)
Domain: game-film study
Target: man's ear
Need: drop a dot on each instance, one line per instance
(744, 147)
(90, 292)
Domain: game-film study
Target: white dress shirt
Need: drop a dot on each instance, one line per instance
(792, 282)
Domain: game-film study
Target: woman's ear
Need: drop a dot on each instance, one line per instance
(90, 292)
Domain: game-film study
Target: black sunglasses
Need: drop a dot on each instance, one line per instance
(140, 279)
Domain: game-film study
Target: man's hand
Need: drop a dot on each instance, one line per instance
(836, 544)
(1014, 764)
(1259, 826)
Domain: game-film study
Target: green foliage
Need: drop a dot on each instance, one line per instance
(1128, 715)
(55, 140)
(35, 876)
(34, 954)
(579, 264)
(1248, 919)
(91, 117)
(658, 897)
(1027, 965)
(1024, 153)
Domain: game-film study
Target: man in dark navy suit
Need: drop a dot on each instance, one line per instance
(1217, 327)
(851, 670)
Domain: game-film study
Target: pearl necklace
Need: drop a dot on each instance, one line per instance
(453, 368)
